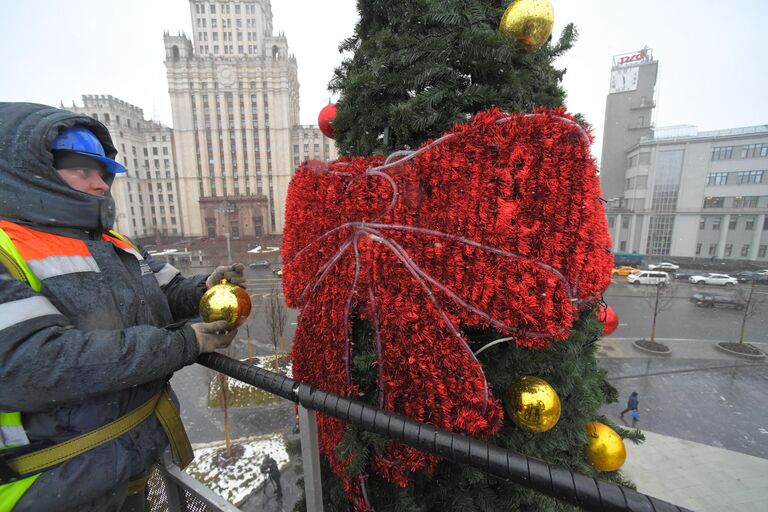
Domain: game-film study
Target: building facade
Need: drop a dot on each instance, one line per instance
(147, 195)
(235, 102)
(695, 195)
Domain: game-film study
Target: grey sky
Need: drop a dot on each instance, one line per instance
(712, 67)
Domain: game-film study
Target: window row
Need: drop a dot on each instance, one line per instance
(735, 178)
(225, 8)
(733, 223)
(734, 202)
(748, 151)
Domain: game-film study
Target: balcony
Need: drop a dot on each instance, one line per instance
(643, 104)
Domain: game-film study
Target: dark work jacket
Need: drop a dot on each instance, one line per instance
(104, 346)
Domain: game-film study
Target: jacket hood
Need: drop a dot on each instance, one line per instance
(31, 191)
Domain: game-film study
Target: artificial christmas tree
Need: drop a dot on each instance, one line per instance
(433, 281)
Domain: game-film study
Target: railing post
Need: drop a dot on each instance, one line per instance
(310, 455)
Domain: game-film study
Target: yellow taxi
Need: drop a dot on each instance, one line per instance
(624, 271)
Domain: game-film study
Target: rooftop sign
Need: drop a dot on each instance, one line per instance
(633, 58)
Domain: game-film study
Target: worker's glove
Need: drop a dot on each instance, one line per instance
(233, 273)
(213, 335)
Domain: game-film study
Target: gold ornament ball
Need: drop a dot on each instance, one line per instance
(532, 404)
(605, 449)
(530, 21)
(226, 301)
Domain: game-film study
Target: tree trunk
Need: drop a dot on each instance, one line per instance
(224, 394)
(747, 306)
(249, 348)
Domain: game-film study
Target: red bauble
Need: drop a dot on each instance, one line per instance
(610, 319)
(324, 120)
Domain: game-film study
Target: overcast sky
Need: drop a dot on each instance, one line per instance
(712, 65)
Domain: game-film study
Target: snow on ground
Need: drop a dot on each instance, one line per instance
(261, 250)
(237, 481)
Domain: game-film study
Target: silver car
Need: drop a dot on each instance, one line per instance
(714, 279)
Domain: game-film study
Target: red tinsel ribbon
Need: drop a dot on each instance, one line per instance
(497, 224)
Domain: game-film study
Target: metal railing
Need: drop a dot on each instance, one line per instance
(561, 483)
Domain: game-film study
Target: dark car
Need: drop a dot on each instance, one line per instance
(748, 276)
(711, 301)
(259, 264)
(685, 274)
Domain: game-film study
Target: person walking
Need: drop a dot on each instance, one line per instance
(632, 404)
(91, 326)
(269, 468)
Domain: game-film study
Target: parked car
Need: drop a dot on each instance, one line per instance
(747, 276)
(259, 264)
(278, 272)
(725, 301)
(624, 270)
(648, 277)
(664, 266)
(714, 279)
(685, 274)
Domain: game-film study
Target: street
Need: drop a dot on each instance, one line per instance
(683, 319)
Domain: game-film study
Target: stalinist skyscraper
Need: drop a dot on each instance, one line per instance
(235, 102)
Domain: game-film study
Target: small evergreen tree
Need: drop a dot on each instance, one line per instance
(415, 69)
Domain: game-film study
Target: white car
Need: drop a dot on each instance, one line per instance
(716, 279)
(664, 265)
(648, 277)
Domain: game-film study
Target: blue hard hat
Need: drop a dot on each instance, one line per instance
(83, 142)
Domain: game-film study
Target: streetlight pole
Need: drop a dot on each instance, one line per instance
(227, 209)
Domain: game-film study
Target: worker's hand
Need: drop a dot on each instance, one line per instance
(213, 335)
(233, 273)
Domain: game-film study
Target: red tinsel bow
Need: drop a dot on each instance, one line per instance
(497, 224)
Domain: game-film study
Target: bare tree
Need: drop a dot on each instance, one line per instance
(277, 315)
(658, 301)
(751, 303)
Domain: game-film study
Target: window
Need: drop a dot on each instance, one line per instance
(749, 177)
(698, 249)
(714, 202)
(611, 222)
(722, 153)
(717, 178)
(754, 150)
(712, 249)
(625, 222)
(745, 201)
(749, 225)
(732, 224)
(642, 181)
(745, 250)
(623, 246)
(761, 251)
(213, 9)
(703, 224)
(716, 224)
(765, 224)
(728, 249)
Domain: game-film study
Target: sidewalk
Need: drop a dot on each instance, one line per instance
(696, 476)
(688, 393)
(681, 349)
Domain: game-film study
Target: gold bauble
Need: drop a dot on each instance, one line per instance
(226, 301)
(532, 404)
(605, 449)
(529, 21)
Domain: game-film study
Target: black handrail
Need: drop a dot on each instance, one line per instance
(561, 483)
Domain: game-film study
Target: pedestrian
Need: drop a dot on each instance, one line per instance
(269, 468)
(632, 404)
(91, 327)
